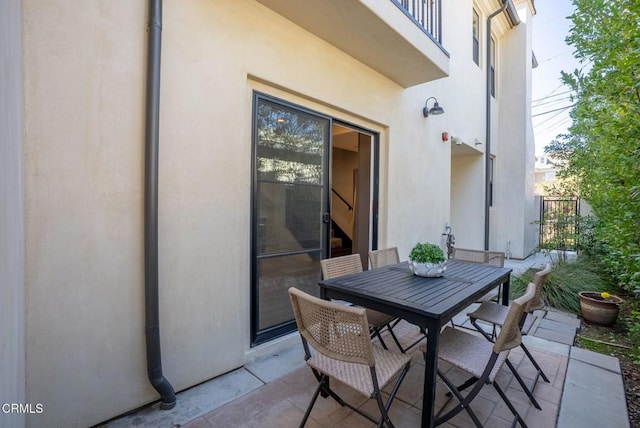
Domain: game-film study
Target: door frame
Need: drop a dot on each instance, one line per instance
(258, 336)
(372, 207)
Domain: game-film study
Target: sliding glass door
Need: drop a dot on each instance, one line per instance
(290, 210)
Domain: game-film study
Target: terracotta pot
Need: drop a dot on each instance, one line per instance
(597, 310)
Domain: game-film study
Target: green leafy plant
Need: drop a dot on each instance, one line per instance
(564, 283)
(633, 331)
(600, 151)
(426, 253)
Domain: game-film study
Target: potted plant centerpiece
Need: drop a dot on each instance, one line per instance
(599, 308)
(427, 259)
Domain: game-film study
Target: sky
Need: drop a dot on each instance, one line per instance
(550, 97)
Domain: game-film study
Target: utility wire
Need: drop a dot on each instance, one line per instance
(559, 100)
(564, 121)
(551, 111)
(552, 92)
(551, 95)
(554, 57)
(549, 119)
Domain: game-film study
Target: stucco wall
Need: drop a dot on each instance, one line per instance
(12, 322)
(465, 95)
(83, 177)
(515, 178)
(464, 91)
(532, 208)
(467, 201)
(465, 108)
(84, 71)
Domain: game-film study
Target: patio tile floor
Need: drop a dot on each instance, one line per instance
(282, 402)
(274, 387)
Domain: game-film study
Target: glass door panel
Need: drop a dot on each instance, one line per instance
(276, 275)
(290, 218)
(290, 202)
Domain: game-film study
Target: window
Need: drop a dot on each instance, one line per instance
(476, 37)
(492, 70)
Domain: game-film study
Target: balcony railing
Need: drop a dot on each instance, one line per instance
(424, 13)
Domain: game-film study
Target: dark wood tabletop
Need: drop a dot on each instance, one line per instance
(427, 302)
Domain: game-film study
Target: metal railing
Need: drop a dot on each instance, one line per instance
(559, 223)
(425, 13)
(342, 199)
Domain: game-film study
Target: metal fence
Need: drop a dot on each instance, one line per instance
(426, 13)
(559, 223)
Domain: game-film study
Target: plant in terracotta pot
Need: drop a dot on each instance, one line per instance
(599, 308)
(427, 259)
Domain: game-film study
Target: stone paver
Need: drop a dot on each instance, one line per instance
(592, 397)
(546, 345)
(193, 402)
(278, 362)
(290, 395)
(556, 331)
(606, 362)
(563, 318)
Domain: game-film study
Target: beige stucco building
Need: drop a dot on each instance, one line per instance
(280, 122)
(545, 174)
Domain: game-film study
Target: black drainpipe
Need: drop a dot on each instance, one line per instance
(487, 154)
(152, 125)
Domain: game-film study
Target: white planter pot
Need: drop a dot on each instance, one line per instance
(428, 269)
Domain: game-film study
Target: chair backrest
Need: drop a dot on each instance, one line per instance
(339, 266)
(384, 257)
(510, 335)
(493, 258)
(334, 330)
(539, 279)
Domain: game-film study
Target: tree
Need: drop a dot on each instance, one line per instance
(601, 151)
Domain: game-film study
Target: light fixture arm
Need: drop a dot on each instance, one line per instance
(435, 110)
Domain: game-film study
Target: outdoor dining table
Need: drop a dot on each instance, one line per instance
(427, 302)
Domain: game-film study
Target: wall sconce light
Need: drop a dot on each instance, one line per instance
(436, 109)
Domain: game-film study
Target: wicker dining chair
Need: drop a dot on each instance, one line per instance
(344, 352)
(496, 315)
(481, 359)
(492, 258)
(345, 265)
(385, 257)
(539, 279)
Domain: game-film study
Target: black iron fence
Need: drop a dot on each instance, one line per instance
(425, 13)
(559, 223)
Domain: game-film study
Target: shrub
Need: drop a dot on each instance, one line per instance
(564, 282)
(633, 331)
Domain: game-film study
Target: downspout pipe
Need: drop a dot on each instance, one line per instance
(152, 126)
(514, 20)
